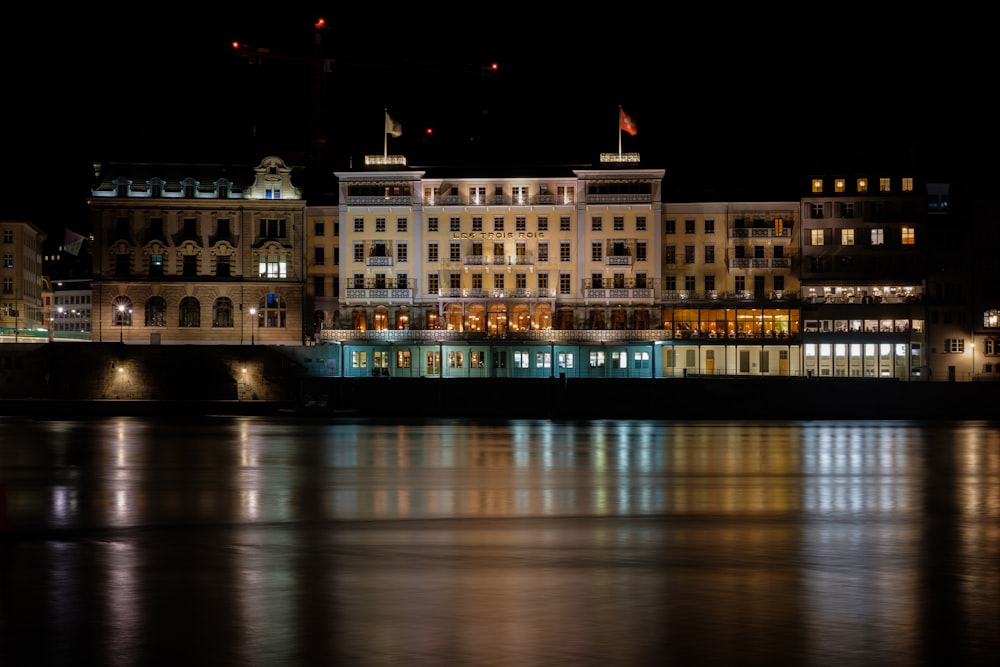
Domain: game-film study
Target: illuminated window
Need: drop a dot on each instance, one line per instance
(878, 236)
(907, 185)
(909, 236)
(273, 266)
(817, 185)
(991, 319)
(839, 185)
(883, 185)
(846, 237)
(862, 185)
(816, 236)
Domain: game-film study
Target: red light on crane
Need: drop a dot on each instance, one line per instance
(321, 23)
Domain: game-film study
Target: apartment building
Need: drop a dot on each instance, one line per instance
(863, 268)
(187, 254)
(21, 302)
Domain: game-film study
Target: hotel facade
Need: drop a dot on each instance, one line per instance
(590, 272)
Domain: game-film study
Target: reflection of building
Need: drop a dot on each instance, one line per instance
(21, 304)
(185, 253)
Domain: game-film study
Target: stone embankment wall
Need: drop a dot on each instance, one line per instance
(188, 379)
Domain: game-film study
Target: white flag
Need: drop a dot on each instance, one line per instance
(73, 242)
(395, 128)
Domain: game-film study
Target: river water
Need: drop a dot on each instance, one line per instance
(267, 541)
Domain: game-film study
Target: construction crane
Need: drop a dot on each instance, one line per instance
(320, 65)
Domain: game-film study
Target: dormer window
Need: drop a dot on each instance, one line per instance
(272, 193)
(190, 188)
(839, 185)
(122, 187)
(817, 185)
(155, 187)
(222, 188)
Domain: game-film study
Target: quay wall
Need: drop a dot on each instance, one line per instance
(106, 378)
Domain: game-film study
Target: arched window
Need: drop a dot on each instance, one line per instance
(156, 312)
(121, 311)
(222, 312)
(272, 311)
(190, 312)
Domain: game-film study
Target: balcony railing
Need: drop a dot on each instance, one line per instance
(618, 260)
(759, 233)
(634, 198)
(378, 260)
(716, 295)
(556, 336)
(619, 293)
(498, 260)
(394, 294)
(496, 293)
(378, 200)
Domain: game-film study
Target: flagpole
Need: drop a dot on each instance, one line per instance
(619, 130)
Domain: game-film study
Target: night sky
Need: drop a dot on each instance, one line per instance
(710, 92)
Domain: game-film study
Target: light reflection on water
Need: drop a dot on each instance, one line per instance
(255, 541)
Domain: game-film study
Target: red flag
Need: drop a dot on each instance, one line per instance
(627, 123)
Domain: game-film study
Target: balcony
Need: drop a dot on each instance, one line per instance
(716, 296)
(620, 198)
(633, 294)
(395, 295)
(498, 260)
(378, 260)
(379, 200)
(496, 293)
(759, 233)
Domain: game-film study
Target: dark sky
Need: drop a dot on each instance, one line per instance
(707, 88)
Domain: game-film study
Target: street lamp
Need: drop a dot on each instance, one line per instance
(253, 324)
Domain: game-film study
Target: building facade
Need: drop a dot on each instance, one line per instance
(197, 254)
(21, 300)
